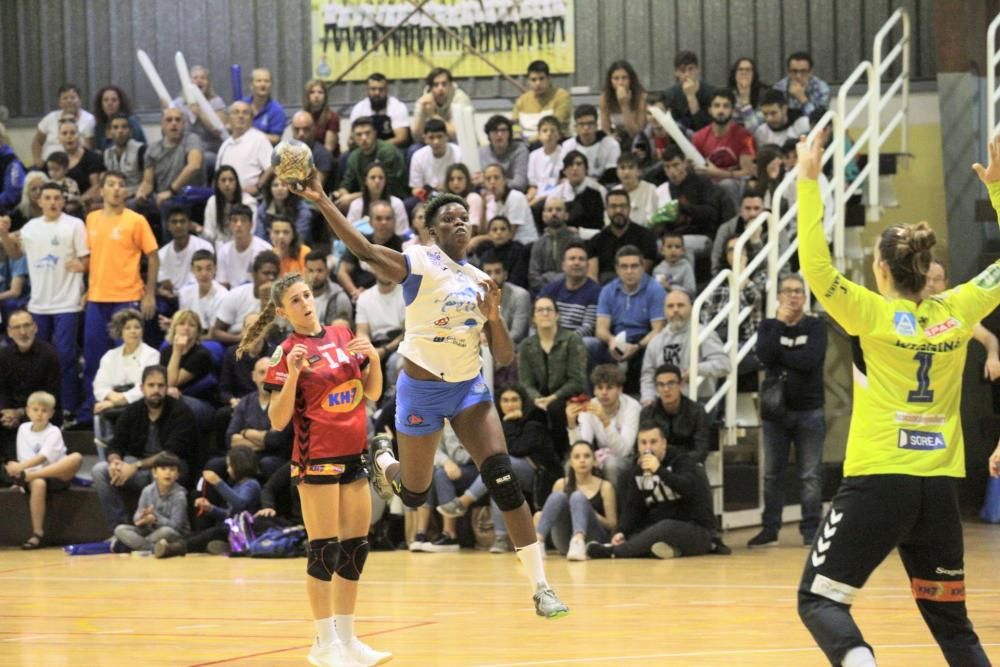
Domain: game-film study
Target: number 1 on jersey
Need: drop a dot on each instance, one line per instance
(923, 393)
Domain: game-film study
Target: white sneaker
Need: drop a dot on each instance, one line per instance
(365, 654)
(664, 551)
(333, 655)
(577, 549)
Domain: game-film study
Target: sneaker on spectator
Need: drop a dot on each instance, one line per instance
(332, 655)
(364, 654)
(548, 604)
(720, 548)
(577, 549)
(501, 545)
(382, 484)
(663, 551)
(445, 543)
(598, 550)
(218, 548)
(165, 549)
(452, 509)
(765, 538)
(418, 542)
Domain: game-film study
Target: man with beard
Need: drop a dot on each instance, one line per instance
(155, 424)
(370, 149)
(751, 206)
(779, 125)
(332, 302)
(622, 232)
(728, 148)
(576, 294)
(672, 346)
(392, 120)
(547, 251)
(304, 129)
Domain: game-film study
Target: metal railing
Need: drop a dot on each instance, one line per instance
(993, 57)
(900, 53)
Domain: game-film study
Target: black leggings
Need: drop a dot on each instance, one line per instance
(688, 538)
(869, 517)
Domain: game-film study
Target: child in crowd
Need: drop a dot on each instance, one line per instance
(243, 495)
(57, 165)
(162, 510)
(205, 296)
(545, 162)
(42, 463)
(675, 270)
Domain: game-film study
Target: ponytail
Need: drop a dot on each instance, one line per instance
(256, 331)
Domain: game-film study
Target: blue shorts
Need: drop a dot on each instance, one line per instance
(423, 405)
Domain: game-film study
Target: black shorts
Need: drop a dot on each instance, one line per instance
(332, 470)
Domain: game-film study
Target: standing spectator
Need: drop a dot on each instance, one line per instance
(370, 149)
(228, 193)
(84, 165)
(437, 101)
(172, 163)
(243, 300)
(268, 115)
(326, 121)
(540, 100)
(118, 240)
(332, 302)
(779, 124)
(247, 150)
(392, 120)
(511, 154)
(515, 302)
(46, 139)
(622, 103)
(204, 296)
(375, 189)
(744, 81)
(641, 194)
(27, 366)
(11, 173)
(583, 195)
(236, 257)
(683, 421)
(688, 99)
(162, 509)
(278, 202)
(601, 151)
(622, 232)
(109, 102)
(805, 91)
(675, 271)
(502, 201)
(429, 165)
(500, 245)
(609, 421)
(54, 246)
(547, 251)
(304, 129)
(792, 345)
(576, 294)
(198, 123)
(726, 145)
(123, 153)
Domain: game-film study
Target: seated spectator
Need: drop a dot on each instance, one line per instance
(421, 234)
(110, 101)
(119, 377)
(608, 421)
(629, 315)
(332, 302)
(499, 244)
(622, 103)
(502, 201)
(581, 508)
(46, 139)
(171, 164)
(236, 380)
(190, 366)
(162, 510)
(727, 146)
(368, 150)
(288, 246)
(247, 150)
(205, 295)
(779, 125)
(744, 81)
(27, 366)
(42, 464)
(391, 118)
(122, 153)
(515, 301)
(354, 275)
(57, 168)
(547, 251)
(576, 294)
(454, 473)
(326, 121)
(753, 294)
(805, 91)
(381, 317)
(429, 165)
(11, 173)
(279, 500)
(641, 194)
(243, 300)
(583, 195)
(503, 150)
(601, 152)
(689, 98)
(268, 114)
(458, 181)
(440, 95)
(201, 125)
(30, 204)
(14, 283)
(666, 505)
(621, 232)
(374, 189)
(770, 173)
(751, 206)
(672, 346)
(235, 256)
(304, 128)
(540, 100)
(228, 193)
(683, 421)
(211, 533)
(85, 165)
(545, 163)
(250, 427)
(278, 202)
(674, 271)
(175, 256)
(158, 423)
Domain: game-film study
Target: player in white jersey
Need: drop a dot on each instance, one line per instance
(448, 304)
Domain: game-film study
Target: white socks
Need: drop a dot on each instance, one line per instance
(325, 630)
(531, 557)
(345, 627)
(384, 459)
(859, 656)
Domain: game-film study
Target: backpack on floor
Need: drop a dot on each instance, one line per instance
(240, 533)
(279, 543)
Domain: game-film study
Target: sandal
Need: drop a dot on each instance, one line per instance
(34, 542)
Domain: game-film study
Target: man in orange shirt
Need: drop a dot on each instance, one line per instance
(118, 239)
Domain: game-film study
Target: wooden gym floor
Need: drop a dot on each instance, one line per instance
(460, 609)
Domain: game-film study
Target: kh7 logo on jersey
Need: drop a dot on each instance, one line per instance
(920, 440)
(344, 397)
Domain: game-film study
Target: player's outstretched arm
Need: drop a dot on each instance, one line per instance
(990, 174)
(385, 262)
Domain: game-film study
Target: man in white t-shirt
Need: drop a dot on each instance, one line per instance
(247, 150)
(175, 257)
(204, 296)
(55, 245)
(429, 165)
(237, 256)
(392, 120)
(46, 139)
(381, 315)
(245, 299)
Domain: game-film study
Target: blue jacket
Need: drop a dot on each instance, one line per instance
(13, 178)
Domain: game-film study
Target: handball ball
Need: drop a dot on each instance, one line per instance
(292, 161)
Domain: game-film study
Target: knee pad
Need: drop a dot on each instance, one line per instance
(409, 498)
(353, 554)
(322, 557)
(498, 475)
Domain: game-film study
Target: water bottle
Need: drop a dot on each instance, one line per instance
(648, 483)
(88, 549)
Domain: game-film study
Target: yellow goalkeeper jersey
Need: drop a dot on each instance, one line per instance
(908, 384)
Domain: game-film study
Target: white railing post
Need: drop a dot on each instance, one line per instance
(993, 57)
(880, 65)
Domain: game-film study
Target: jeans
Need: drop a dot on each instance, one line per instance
(444, 490)
(62, 329)
(807, 429)
(525, 474)
(113, 497)
(143, 539)
(566, 515)
(96, 341)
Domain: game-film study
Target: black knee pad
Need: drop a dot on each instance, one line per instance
(353, 554)
(498, 475)
(409, 498)
(322, 556)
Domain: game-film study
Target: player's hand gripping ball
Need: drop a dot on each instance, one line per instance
(292, 161)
